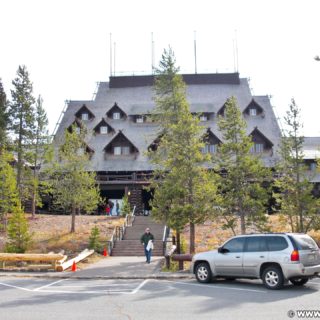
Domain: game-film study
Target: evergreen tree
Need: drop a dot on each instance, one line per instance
(94, 241)
(18, 237)
(125, 206)
(183, 189)
(243, 188)
(37, 151)
(293, 182)
(73, 186)
(9, 199)
(3, 117)
(22, 121)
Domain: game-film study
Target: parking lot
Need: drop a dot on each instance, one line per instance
(30, 298)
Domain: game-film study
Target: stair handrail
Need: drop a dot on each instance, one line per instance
(111, 242)
(166, 233)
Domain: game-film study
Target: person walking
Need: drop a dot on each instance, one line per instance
(147, 241)
(107, 210)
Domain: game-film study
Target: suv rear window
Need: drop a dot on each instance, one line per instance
(304, 242)
(276, 243)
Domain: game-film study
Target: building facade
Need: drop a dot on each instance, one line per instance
(120, 128)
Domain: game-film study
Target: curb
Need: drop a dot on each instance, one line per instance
(71, 276)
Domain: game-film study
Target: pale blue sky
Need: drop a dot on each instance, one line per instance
(65, 45)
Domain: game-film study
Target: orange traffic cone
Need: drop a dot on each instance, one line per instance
(105, 253)
(74, 267)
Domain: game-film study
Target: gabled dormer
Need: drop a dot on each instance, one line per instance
(221, 111)
(116, 113)
(253, 110)
(211, 141)
(261, 144)
(120, 146)
(154, 145)
(75, 125)
(84, 114)
(204, 116)
(103, 128)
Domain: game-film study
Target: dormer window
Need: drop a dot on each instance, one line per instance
(139, 119)
(253, 109)
(209, 148)
(103, 129)
(77, 130)
(116, 116)
(84, 116)
(120, 145)
(257, 148)
(203, 117)
(261, 143)
(116, 113)
(252, 112)
(80, 152)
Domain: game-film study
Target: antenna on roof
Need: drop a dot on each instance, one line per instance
(235, 52)
(152, 54)
(114, 58)
(195, 52)
(110, 54)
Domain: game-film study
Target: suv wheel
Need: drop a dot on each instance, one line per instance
(203, 272)
(299, 282)
(272, 278)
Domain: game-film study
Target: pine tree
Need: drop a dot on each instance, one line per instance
(9, 199)
(37, 151)
(183, 189)
(293, 183)
(3, 117)
(18, 237)
(73, 186)
(243, 189)
(22, 121)
(125, 206)
(94, 242)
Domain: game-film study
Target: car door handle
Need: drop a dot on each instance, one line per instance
(261, 256)
(237, 257)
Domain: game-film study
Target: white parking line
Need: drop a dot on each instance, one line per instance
(214, 286)
(51, 288)
(15, 287)
(48, 285)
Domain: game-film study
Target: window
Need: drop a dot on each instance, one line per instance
(203, 118)
(84, 116)
(117, 151)
(253, 111)
(305, 242)
(116, 115)
(103, 129)
(235, 245)
(139, 120)
(256, 244)
(257, 148)
(78, 130)
(205, 149)
(313, 166)
(276, 243)
(125, 150)
(213, 148)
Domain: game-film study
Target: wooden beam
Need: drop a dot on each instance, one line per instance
(81, 256)
(30, 257)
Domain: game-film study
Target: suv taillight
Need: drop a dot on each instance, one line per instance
(295, 255)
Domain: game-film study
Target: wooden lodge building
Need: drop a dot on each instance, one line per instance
(120, 129)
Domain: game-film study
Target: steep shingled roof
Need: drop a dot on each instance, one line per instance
(135, 100)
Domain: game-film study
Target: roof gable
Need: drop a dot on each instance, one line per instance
(253, 105)
(259, 137)
(103, 123)
(82, 110)
(120, 139)
(115, 108)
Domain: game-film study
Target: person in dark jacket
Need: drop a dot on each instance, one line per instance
(148, 246)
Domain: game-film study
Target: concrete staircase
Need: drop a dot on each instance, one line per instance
(131, 245)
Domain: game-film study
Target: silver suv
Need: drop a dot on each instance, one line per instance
(274, 257)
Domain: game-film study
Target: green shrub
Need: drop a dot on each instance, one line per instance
(19, 238)
(94, 242)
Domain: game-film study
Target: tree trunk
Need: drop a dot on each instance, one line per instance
(243, 223)
(192, 238)
(33, 204)
(73, 219)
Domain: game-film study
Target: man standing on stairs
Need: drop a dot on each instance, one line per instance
(147, 241)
